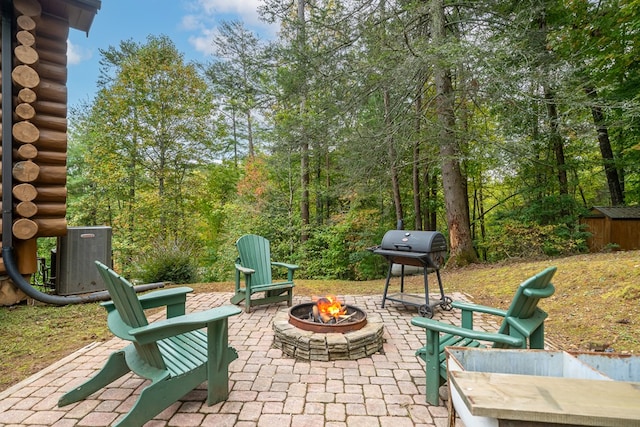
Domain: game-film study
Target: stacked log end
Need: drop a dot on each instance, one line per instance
(39, 155)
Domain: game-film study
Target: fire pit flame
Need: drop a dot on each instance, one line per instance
(327, 309)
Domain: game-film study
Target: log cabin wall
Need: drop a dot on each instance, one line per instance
(40, 29)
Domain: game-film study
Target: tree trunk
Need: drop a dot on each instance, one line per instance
(391, 152)
(250, 134)
(304, 184)
(431, 190)
(304, 143)
(327, 204)
(615, 189)
(317, 187)
(556, 141)
(415, 170)
(455, 198)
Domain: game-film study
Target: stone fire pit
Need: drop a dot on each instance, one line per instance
(324, 346)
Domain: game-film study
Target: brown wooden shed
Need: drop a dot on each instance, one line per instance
(618, 227)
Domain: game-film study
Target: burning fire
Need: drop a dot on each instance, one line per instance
(329, 307)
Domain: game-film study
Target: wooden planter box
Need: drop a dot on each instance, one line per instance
(498, 388)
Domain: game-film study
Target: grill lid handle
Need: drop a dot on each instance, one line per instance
(401, 246)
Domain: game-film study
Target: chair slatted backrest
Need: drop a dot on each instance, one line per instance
(255, 253)
(525, 303)
(130, 311)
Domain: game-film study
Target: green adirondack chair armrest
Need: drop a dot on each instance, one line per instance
(525, 326)
(174, 299)
(290, 268)
(175, 326)
(118, 327)
(466, 306)
(446, 328)
(468, 309)
(285, 265)
(244, 270)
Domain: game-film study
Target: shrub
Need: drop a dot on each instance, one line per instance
(339, 251)
(169, 262)
(522, 240)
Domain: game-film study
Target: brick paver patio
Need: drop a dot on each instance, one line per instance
(267, 388)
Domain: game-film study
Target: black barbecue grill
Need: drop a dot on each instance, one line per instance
(426, 249)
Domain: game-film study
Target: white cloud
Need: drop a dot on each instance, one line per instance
(207, 14)
(204, 42)
(247, 10)
(76, 54)
(191, 22)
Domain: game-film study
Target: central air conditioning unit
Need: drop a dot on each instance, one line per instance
(76, 272)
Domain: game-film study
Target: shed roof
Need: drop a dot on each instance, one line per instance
(616, 212)
(80, 13)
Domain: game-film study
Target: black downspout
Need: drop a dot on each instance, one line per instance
(7, 122)
(7, 180)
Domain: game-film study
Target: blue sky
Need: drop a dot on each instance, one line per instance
(191, 24)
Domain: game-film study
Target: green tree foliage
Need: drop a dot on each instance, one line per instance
(140, 142)
(237, 76)
(355, 117)
(600, 42)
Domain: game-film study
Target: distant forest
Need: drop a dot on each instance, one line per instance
(497, 123)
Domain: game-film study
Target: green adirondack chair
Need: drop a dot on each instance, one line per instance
(175, 354)
(255, 265)
(522, 327)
